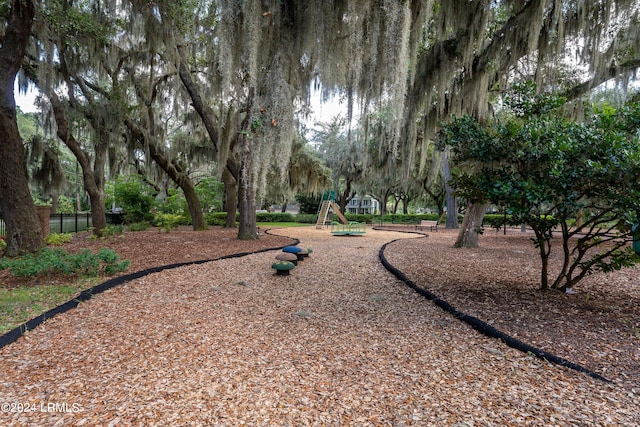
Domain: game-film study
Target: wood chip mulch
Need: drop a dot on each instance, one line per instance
(338, 342)
(598, 326)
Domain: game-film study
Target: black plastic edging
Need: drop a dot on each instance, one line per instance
(484, 327)
(87, 294)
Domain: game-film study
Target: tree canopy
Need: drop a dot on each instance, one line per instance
(119, 72)
(545, 171)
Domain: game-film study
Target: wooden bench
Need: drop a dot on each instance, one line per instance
(424, 224)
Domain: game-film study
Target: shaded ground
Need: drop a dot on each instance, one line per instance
(151, 248)
(597, 327)
(339, 342)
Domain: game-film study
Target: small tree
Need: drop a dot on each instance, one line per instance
(131, 195)
(545, 170)
(308, 204)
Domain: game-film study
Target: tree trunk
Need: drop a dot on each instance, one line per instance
(55, 202)
(452, 202)
(247, 229)
(175, 173)
(345, 197)
(23, 232)
(193, 203)
(284, 206)
(230, 197)
(544, 247)
(98, 212)
(438, 198)
(396, 202)
(198, 104)
(383, 203)
(383, 207)
(471, 226)
(94, 184)
(92, 176)
(244, 200)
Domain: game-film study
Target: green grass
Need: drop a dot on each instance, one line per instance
(26, 302)
(281, 224)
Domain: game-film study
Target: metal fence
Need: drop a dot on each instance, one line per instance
(62, 223)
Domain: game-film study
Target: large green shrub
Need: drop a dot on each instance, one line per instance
(58, 261)
(546, 170)
(308, 204)
(496, 221)
(66, 205)
(174, 203)
(133, 196)
(168, 222)
(210, 193)
(217, 218)
(357, 217)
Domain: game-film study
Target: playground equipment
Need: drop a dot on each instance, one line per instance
(344, 227)
(328, 206)
(349, 229)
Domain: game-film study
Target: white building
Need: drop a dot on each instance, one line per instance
(363, 205)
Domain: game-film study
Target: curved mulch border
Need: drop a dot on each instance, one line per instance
(14, 334)
(481, 326)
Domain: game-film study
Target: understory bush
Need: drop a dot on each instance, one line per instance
(58, 261)
(133, 196)
(57, 239)
(306, 218)
(168, 222)
(139, 226)
(110, 231)
(496, 221)
(217, 218)
(356, 217)
(405, 218)
(274, 217)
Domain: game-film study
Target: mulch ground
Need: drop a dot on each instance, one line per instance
(338, 342)
(597, 327)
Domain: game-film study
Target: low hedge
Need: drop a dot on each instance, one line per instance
(274, 217)
(405, 218)
(496, 221)
(306, 218)
(220, 218)
(217, 218)
(359, 217)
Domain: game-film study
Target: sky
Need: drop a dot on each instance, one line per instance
(26, 102)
